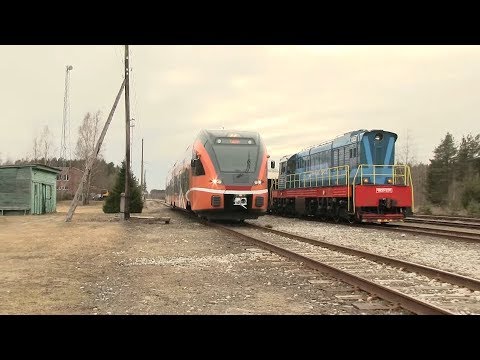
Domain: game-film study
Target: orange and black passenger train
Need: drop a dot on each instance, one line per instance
(222, 176)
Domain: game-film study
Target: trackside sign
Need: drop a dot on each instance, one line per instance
(384, 190)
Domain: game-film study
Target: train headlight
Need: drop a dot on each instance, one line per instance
(216, 181)
(366, 180)
(389, 180)
(257, 182)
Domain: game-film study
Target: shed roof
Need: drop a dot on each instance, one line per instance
(36, 166)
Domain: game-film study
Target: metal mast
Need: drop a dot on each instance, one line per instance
(66, 124)
(141, 173)
(126, 214)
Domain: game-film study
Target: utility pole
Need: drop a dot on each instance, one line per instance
(141, 176)
(131, 140)
(66, 125)
(88, 166)
(126, 214)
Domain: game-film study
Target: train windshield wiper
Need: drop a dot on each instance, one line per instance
(247, 168)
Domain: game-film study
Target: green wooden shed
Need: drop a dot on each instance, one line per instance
(28, 189)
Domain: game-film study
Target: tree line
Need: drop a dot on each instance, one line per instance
(452, 178)
(102, 176)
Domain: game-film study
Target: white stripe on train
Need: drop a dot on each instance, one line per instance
(236, 192)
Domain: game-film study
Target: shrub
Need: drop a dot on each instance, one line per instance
(473, 208)
(112, 203)
(471, 193)
(426, 210)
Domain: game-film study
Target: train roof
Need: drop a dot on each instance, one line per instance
(212, 134)
(340, 140)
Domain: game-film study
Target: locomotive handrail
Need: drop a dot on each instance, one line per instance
(340, 175)
(323, 177)
(399, 174)
(396, 172)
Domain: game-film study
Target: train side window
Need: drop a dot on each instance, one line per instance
(198, 169)
(354, 152)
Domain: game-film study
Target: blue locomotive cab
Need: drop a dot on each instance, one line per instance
(377, 155)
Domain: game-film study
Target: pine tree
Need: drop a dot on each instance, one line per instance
(112, 204)
(441, 170)
(468, 150)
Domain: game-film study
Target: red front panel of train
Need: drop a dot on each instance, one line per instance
(369, 195)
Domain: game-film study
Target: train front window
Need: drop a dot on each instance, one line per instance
(236, 157)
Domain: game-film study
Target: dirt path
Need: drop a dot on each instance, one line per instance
(98, 264)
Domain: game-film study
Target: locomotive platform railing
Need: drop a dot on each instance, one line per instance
(382, 175)
(325, 177)
(364, 174)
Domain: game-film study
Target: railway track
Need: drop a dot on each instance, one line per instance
(449, 232)
(417, 288)
(456, 222)
(414, 287)
(446, 217)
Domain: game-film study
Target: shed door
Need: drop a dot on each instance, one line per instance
(39, 198)
(44, 198)
(36, 199)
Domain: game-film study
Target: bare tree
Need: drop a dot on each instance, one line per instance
(8, 161)
(88, 134)
(36, 149)
(405, 152)
(45, 144)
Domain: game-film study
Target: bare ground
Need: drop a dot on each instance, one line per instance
(99, 264)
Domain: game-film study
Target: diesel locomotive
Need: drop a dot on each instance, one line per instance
(352, 177)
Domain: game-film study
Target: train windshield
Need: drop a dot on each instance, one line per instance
(236, 157)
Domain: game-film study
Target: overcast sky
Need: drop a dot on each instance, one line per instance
(295, 96)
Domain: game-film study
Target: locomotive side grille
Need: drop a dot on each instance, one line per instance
(259, 201)
(216, 200)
